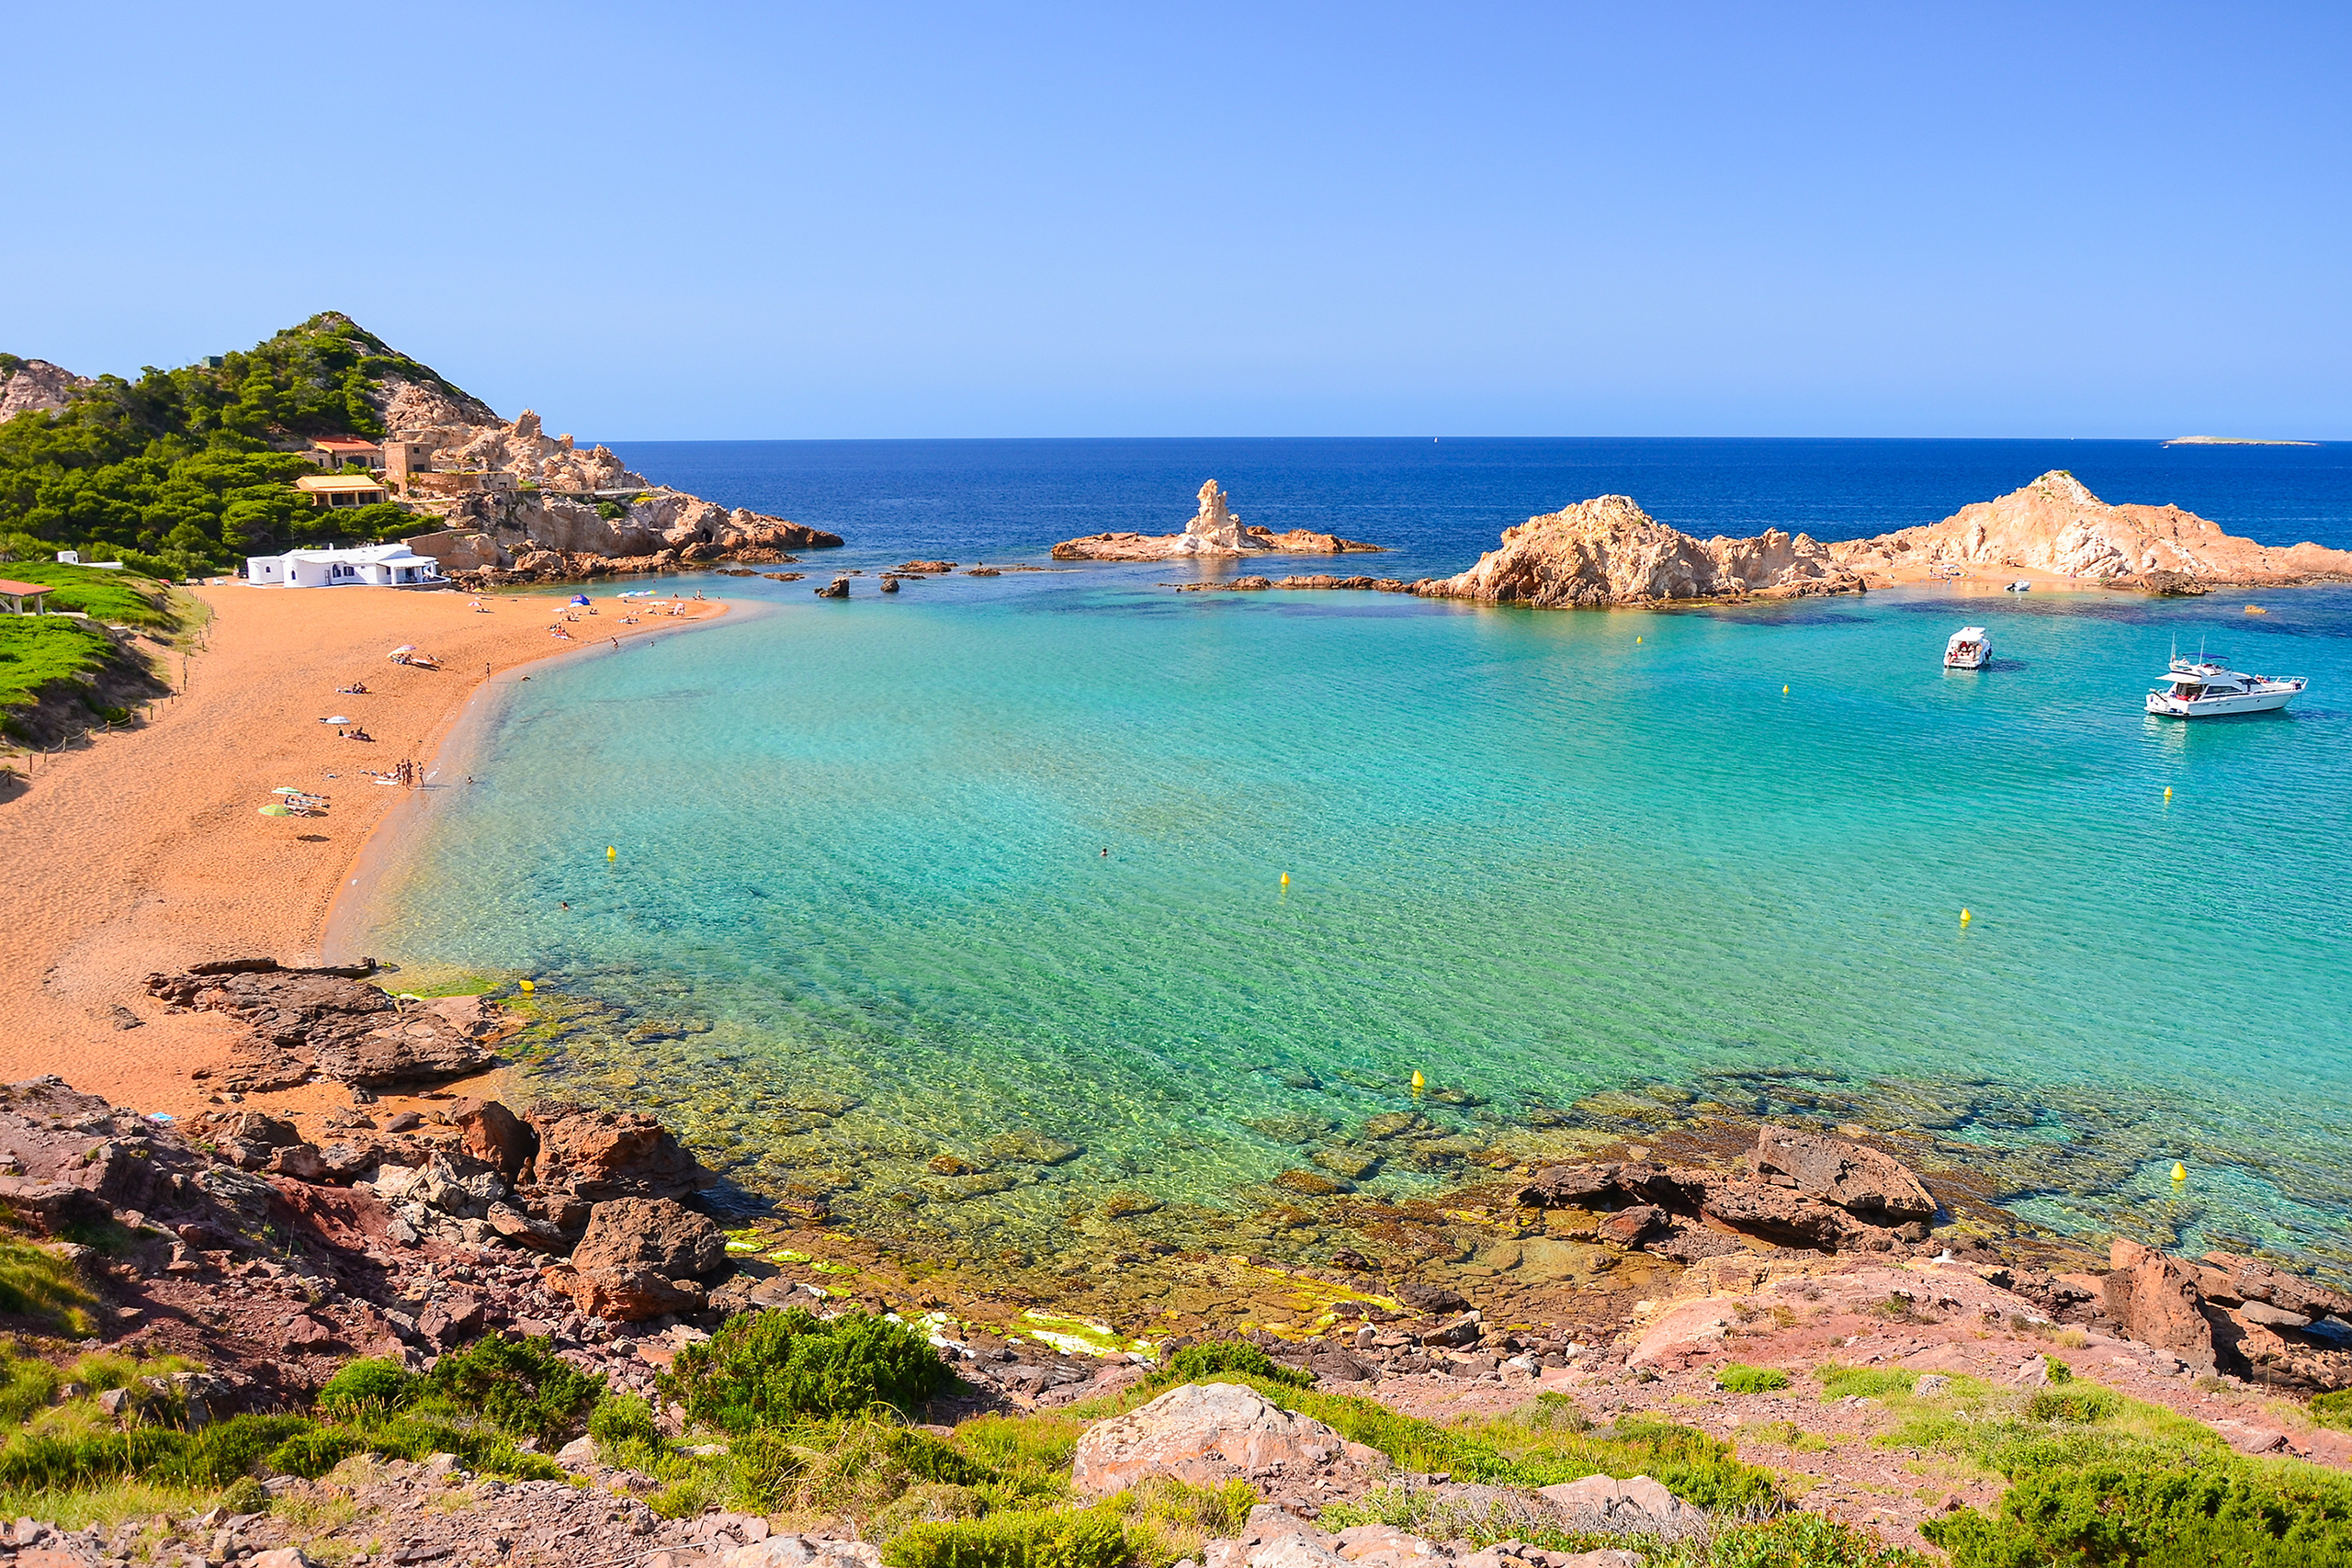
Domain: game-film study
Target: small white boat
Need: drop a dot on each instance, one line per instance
(2203, 688)
(1971, 648)
(2019, 586)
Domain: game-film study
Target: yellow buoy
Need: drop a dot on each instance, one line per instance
(1419, 1082)
(2167, 791)
(1965, 917)
(1784, 691)
(527, 986)
(2179, 1171)
(1637, 639)
(1286, 879)
(611, 853)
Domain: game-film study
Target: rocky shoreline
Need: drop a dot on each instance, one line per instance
(265, 1254)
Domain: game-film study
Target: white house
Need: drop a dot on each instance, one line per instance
(381, 566)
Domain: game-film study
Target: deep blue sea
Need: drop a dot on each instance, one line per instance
(1583, 869)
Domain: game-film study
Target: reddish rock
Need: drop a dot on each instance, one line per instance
(1628, 1226)
(1209, 1434)
(597, 1155)
(495, 1135)
(2153, 1299)
(640, 1257)
(1853, 1176)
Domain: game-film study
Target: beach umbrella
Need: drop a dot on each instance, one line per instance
(404, 648)
(278, 811)
(338, 718)
(580, 598)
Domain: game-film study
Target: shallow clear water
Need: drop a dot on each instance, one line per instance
(1530, 856)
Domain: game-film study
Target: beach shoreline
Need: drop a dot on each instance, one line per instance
(144, 852)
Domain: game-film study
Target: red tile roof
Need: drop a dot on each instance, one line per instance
(342, 444)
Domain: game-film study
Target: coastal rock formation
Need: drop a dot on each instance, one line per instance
(322, 1023)
(640, 1257)
(593, 1155)
(35, 385)
(1209, 1434)
(2153, 1299)
(1608, 551)
(1213, 533)
(1848, 1197)
(2056, 525)
(1855, 1177)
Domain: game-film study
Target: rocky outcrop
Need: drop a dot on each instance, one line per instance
(1809, 1191)
(593, 1155)
(533, 536)
(1608, 551)
(2056, 525)
(35, 386)
(1209, 1434)
(1213, 533)
(2153, 1299)
(1278, 1538)
(1855, 1177)
(640, 1257)
(319, 1024)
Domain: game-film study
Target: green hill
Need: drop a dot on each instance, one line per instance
(186, 470)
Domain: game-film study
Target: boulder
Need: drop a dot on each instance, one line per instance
(640, 1257)
(597, 1155)
(1209, 1434)
(1569, 1187)
(1853, 1176)
(493, 1134)
(1634, 1506)
(1608, 551)
(2153, 1299)
(306, 1023)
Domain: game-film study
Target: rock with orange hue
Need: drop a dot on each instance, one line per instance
(2153, 1299)
(1208, 1434)
(2056, 525)
(1608, 551)
(1853, 1176)
(1214, 532)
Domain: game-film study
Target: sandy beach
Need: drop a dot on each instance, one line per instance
(146, 849)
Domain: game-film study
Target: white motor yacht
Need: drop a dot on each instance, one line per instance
(2021, 586)
(1971, 648)
(2203, 688)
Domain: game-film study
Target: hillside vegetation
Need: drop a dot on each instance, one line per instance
(186, 470)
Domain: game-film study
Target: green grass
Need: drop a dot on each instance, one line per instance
(40, 651)
(1866, 1382)
(1737, 1377)
(123, 597)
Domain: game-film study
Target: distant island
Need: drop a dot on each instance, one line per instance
(2232, 441)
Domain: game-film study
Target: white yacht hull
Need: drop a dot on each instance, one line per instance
(1967, 660)
(2164, 706)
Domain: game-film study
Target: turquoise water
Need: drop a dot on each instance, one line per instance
(860, 915)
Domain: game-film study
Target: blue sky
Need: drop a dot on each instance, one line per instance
(800, 220)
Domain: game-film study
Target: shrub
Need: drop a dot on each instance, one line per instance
(1088, 1538)
(520, 1386)
(1806, 1541)
(763, 1465)
(622, 1418)
(369, 1386)
(767, 1369)
(2075, 1404)
(312, 1453)
(2332, 1409)
(2171, 1512)
(1736, 1377)
(1220, 1356)
(930, 1459)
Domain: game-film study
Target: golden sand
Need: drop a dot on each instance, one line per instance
(146, 850)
